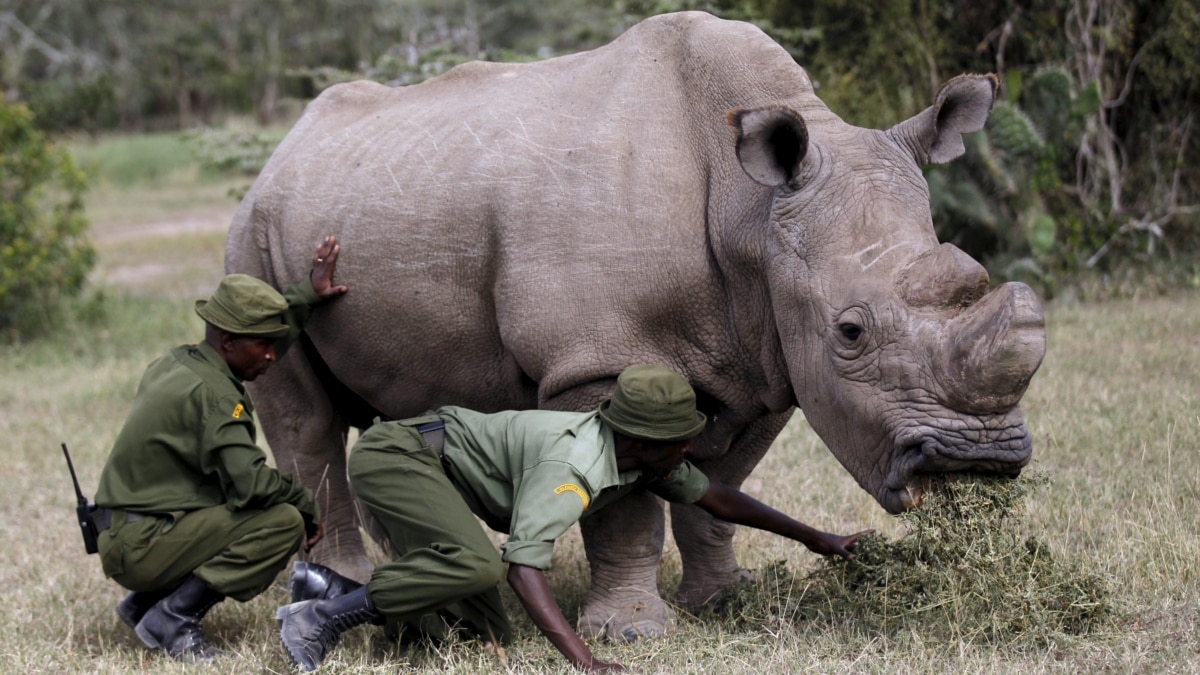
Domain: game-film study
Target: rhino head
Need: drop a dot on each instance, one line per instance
(902, 360)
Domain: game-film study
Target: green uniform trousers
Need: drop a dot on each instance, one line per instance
(238, 554)
(443, 561)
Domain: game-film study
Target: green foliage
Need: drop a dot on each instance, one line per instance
(962, 573)
(1012, 132)
(45, 255)
(233, 151)
(69, 104)
(396, 68)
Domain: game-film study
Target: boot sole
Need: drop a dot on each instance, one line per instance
(147, 639)
(209, 655)
(298, 655)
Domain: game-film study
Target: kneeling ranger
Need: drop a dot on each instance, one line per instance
(529, 473)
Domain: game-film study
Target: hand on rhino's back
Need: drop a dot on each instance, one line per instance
(516, 235)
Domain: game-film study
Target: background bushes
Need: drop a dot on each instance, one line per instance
(44, 253)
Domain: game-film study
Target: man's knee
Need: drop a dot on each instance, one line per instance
(487, 572)
(286, 520)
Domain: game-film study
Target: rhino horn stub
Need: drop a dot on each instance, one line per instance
(771, 143)
(993, 349)
(942, 278)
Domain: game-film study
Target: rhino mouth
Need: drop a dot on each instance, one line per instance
(917, 458)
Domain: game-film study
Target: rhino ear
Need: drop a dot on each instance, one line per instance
(961, 107)
(771, 143)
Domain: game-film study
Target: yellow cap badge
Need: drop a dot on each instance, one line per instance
(237, 412)
(571, 487)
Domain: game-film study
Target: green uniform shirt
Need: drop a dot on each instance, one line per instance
(533, 473)
(189, 442)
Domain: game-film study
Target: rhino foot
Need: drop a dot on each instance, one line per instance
(628, 618)
(696, 591)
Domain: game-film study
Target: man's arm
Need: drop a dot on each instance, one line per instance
(304, 296)
(529, 583)
(736, 507)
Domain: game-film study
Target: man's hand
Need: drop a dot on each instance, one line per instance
(832, 544)
(324, 262)
(318, 533)
(534, 592)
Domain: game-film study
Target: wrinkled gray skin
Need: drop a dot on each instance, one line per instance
(514, 236)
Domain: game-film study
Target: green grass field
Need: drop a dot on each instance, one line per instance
(1115, 411)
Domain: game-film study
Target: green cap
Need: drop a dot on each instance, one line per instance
(244, 305)
(653, 403)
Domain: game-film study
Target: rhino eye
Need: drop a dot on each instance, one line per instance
(850, 331)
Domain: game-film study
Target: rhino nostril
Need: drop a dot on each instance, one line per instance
(919, 458)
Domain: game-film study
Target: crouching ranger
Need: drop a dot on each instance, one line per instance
(529, 473)
(189, 510)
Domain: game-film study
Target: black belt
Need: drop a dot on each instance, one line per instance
(103, 517)
(433, 434)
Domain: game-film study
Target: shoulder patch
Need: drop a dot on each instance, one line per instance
(571, 487)
(237, 411)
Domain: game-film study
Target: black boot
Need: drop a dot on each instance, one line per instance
(310, 581)
(173, 625)
(309, 629)
(136, 604)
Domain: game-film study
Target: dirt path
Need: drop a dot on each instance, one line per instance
(197, 222)
(177, 256)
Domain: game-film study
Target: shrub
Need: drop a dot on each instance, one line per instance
(45, 255)
(231, 151)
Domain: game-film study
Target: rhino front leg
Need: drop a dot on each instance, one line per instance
(624, 544)
(308, 438)
(705, 543)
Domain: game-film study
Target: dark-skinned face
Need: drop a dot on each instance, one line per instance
(661, 458)
(248, 357)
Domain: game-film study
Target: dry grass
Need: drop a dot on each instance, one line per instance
(966, 572)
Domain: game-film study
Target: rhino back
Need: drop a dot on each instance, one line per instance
(506, 224)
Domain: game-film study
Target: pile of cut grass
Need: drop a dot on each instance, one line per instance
(963, 572)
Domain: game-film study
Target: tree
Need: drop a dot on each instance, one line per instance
(1132, 168)
(44, 254)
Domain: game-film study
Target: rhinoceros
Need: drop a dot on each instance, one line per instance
(515, 235)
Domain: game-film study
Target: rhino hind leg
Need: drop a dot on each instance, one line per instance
(624, 545)
(307, 437)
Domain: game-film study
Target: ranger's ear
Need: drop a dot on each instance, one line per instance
(934, 136)
(771, 143)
